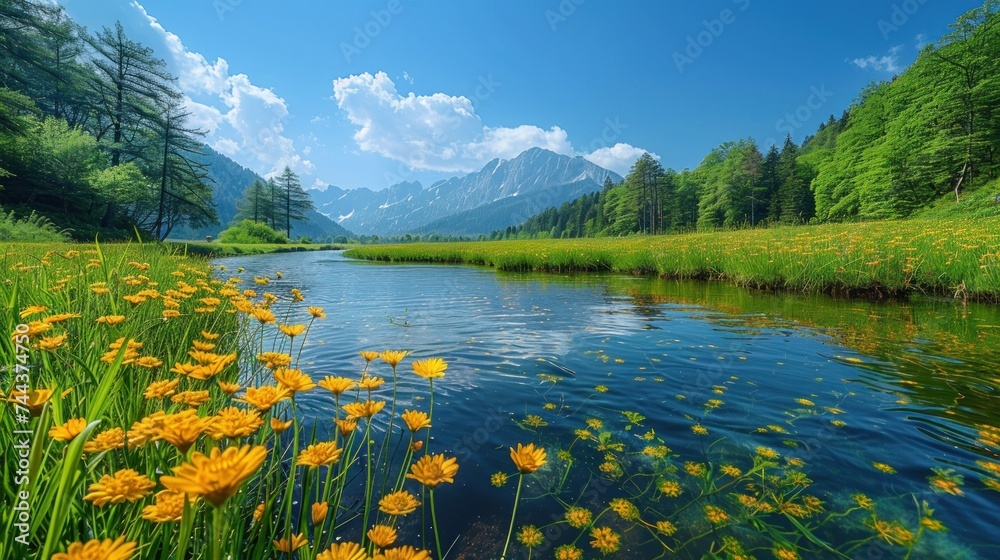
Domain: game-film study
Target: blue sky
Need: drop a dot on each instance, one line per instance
(369, 93)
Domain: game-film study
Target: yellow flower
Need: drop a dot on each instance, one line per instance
(69, 430)
(273, 360)
(286, 546)
(369, 355)
(393, 357)
(605, 540)
(715, 515)
(670, 488)
(316, 312)
(208, 335)
(146, 430)
(625, 509)
(169, 507)
(292, 331)
(258, 512)
(343, 551)
(365, 409)
(319, 454)
(782, 553)
(263, 398)
(96, 549)
(148, 362)
(107, 440)
(33, 310)
(336, 385)
(232, 422)
(398, 503)
(530, 536)
(371, 383)
(125, 485)
(403, 553)
(498, 479)
(37, 327)
(279, 425)
(883, 468)
(416, 420)
(382, 535)
(293, 380)
(218, 476)
(191, 398)
(182, 429)
(202, 346)
(731, 471)
(578, 517)
(52, 319)
(430, 369)
(346, 426)
(432, 470)
(33, 400)
(228, 388)
(666, 527)
(110, 319)
(527, 458)
(319, 511)
(51, 342)
(568, 552)
(262, 315)
(184, 369)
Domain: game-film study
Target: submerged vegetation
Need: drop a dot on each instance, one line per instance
(953, 257)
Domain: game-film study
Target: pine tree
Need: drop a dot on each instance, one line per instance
(295, 201)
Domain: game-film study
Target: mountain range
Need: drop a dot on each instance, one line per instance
(503, 193)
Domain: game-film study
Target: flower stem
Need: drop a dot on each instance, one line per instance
(513, 513)
(434, 521)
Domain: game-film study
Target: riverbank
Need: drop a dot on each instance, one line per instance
(958, 258)
(216, 249)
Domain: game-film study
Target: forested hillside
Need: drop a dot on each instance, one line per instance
(925, 143)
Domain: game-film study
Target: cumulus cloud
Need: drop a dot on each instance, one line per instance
(888, 62)
(618, 158)
(441, 132)
(251, 128)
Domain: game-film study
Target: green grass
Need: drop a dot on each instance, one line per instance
(216, 249)
(952, 257)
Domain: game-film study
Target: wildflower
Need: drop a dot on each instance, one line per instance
(336, 385)
(657, 451)
(319, 511)
(134, 299)
(731, 471)
(169, 506)
(694, 469)
(293, 380)
(625, 509)
(534, 421)
(110, 319)
(346, 426)
(430, 369)
(369, 355)
(232, 422)
(883, 468)
(32, 310)
(33, 400)
(191, 398)
(216, 477)
(107, 549)
(393, 357)
(670, 488)
(403, 553)
(595, 424)
(416, 420)
(317, 313)
(365, 409)
(416, 445)
(228, 388)
(292, 331)
(805, 402)
(666, 527)
(289, 546)
(36, 328)
(182, 429)
(319, 454)
(699, 430)
(766, 453)
(53, 319)
(398, 503)
(568, 552)
(265, 397)
(262, 315)
(932, 524)
(184, 369)
(946, 481)
(530, 536)
(202, 346)
(343, 551)
(148, 362)
(783, 553)
(51, 342)
(69, 430)
(208, 335)
(527, 458)
(498, 479)
(382, 535)
(605, 540)
(432, 470)
(601, 388)
(273, 360)
(125, 485)
(715, 515)
(146, 430)
(107, 440)
(258, 512)
(863, 501)
(578, 517)
(280, 426)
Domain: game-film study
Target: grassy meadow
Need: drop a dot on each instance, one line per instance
(960, 258)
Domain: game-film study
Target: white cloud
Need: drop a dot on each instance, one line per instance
(618, 158)
(254, 115)
(441, 132)
(888, 62)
